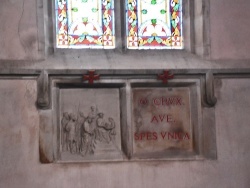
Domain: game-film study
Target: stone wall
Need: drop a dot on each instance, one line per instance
(229, 29)
(20, 166)
(19, 128)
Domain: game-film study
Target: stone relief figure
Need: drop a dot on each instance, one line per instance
(80, 134)
(105, 131)
(110, 126)
(80, 121)
(78, 126)
(71, 130)
(88, 137)
(93, 112)
(64, 137)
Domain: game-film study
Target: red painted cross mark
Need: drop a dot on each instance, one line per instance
(91, 76)
(165, 76)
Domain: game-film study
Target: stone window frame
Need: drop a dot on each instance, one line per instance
(196, 34)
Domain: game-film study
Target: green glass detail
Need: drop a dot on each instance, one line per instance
(74, 9)
(94, 9)
(153, 21)
(133, 24)
(158, 40)
(81, 38)
(176, 7)
(150, 40)
(144, 11)
(108, 6)
(174, 24)
(85, 19)
(84, 1)
(163, 11)
(130, 7)
(153, 2)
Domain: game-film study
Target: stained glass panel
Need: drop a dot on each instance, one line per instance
(85, 23)
(154, 24)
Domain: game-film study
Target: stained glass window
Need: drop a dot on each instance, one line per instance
(85, 23)
(154, 24)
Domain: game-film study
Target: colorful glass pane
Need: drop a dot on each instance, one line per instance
(85, 23)
(154, 24)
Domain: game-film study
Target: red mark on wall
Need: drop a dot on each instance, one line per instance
(165, 76)
(91, 76)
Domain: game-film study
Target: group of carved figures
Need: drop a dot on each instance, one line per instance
(79, 133)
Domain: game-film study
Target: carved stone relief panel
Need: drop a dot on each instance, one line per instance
(89, 124)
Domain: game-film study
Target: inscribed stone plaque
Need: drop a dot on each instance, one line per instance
(89, 124)
(161, 122)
